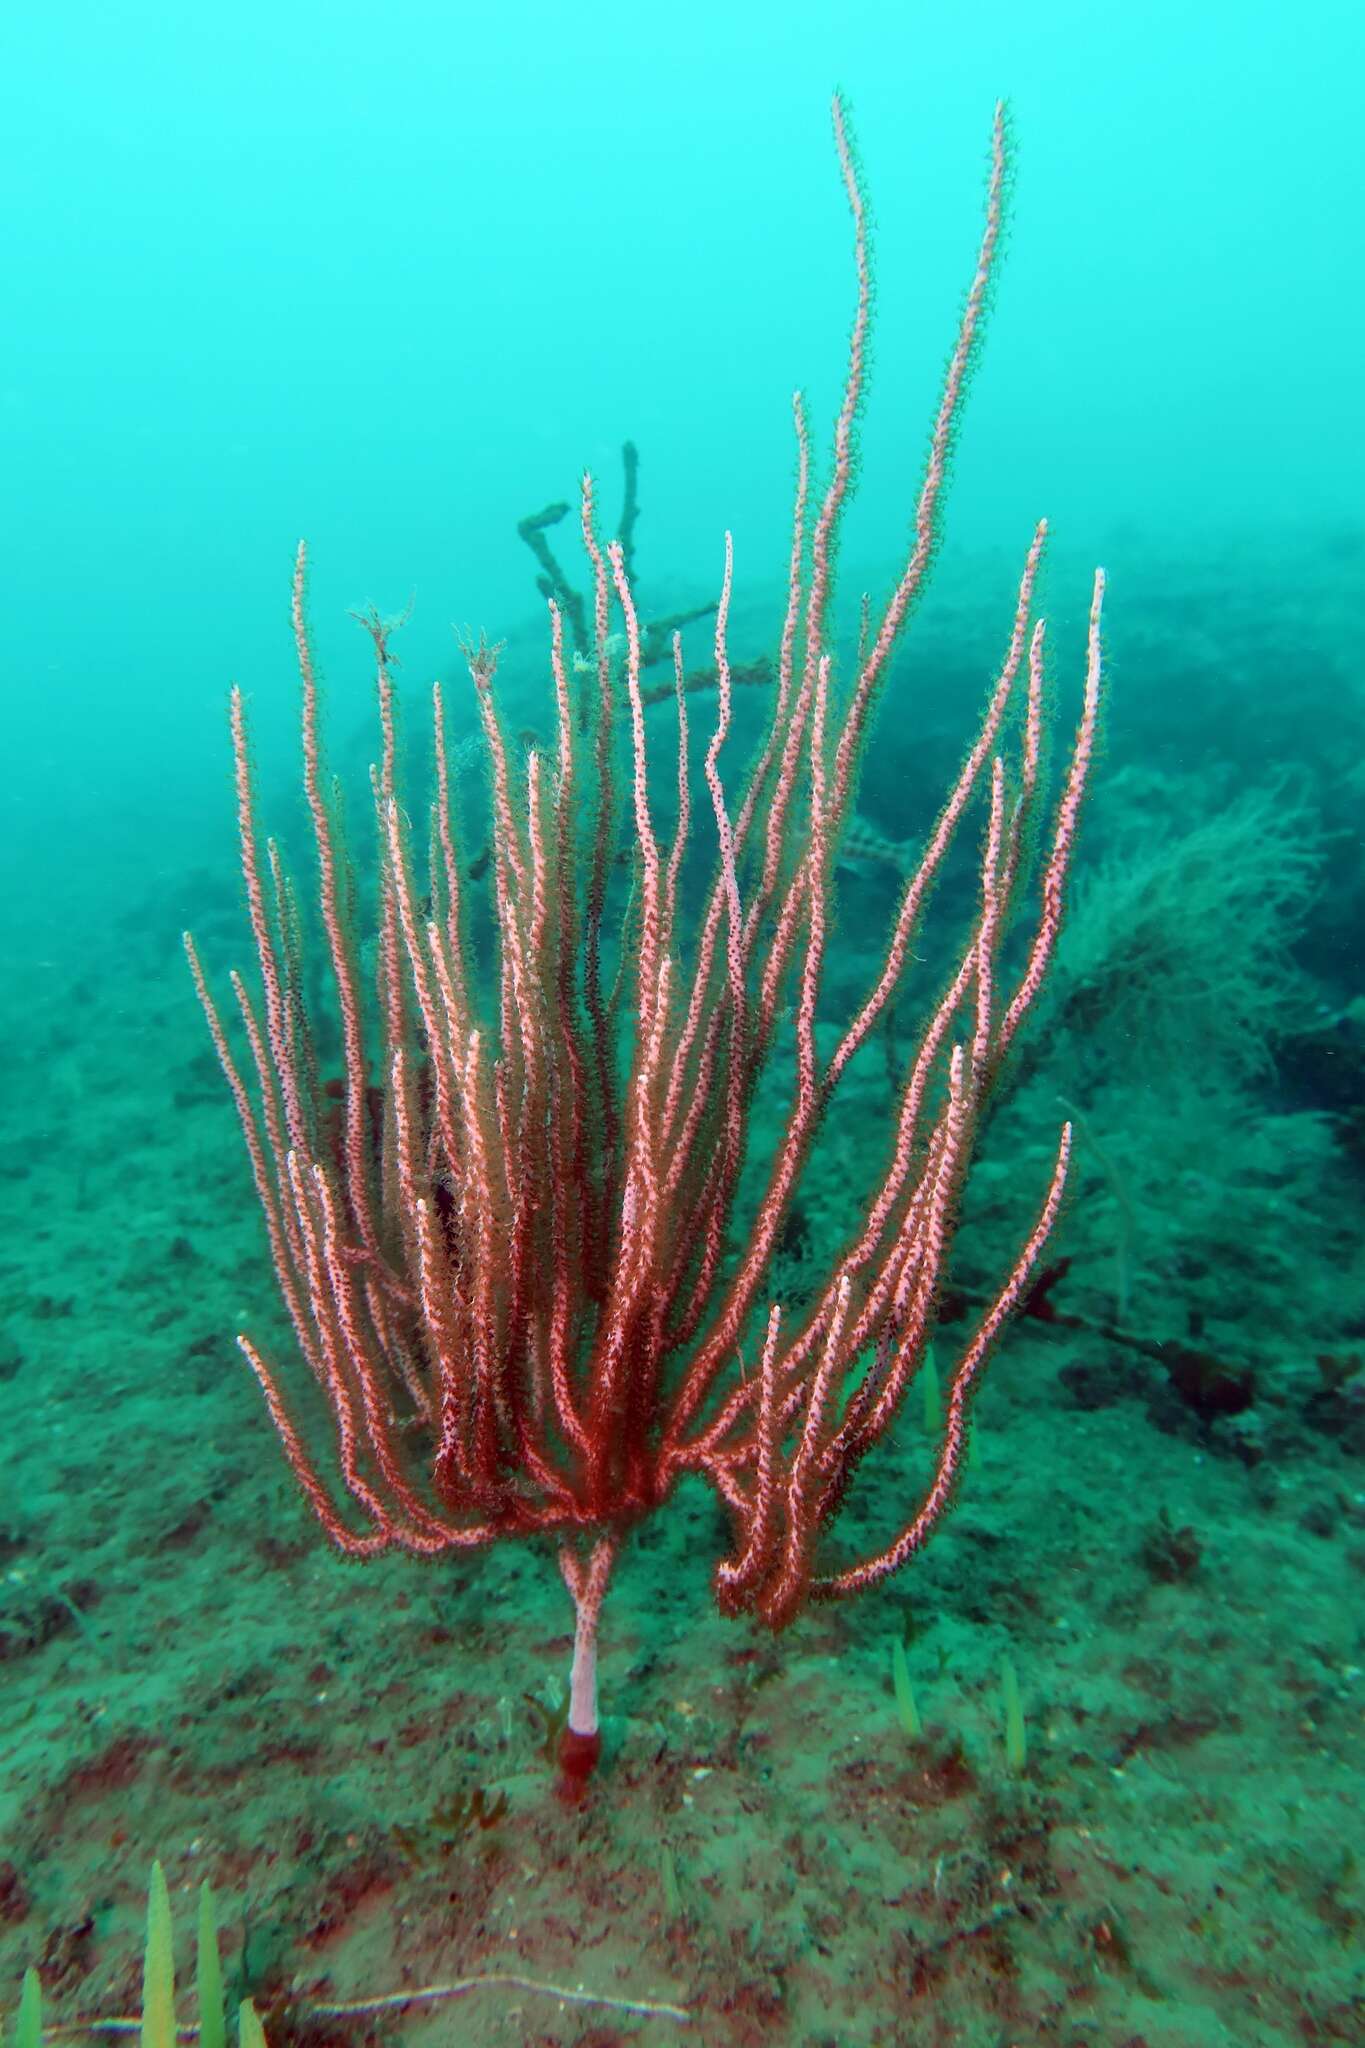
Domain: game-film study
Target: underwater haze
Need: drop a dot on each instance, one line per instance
(388, 281)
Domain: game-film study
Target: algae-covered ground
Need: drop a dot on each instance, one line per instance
(1163, 1529)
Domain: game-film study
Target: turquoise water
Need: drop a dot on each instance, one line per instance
(390, 284)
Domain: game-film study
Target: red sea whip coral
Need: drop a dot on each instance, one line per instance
(508, 1239)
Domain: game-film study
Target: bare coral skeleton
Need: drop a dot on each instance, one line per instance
(508, 1237)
